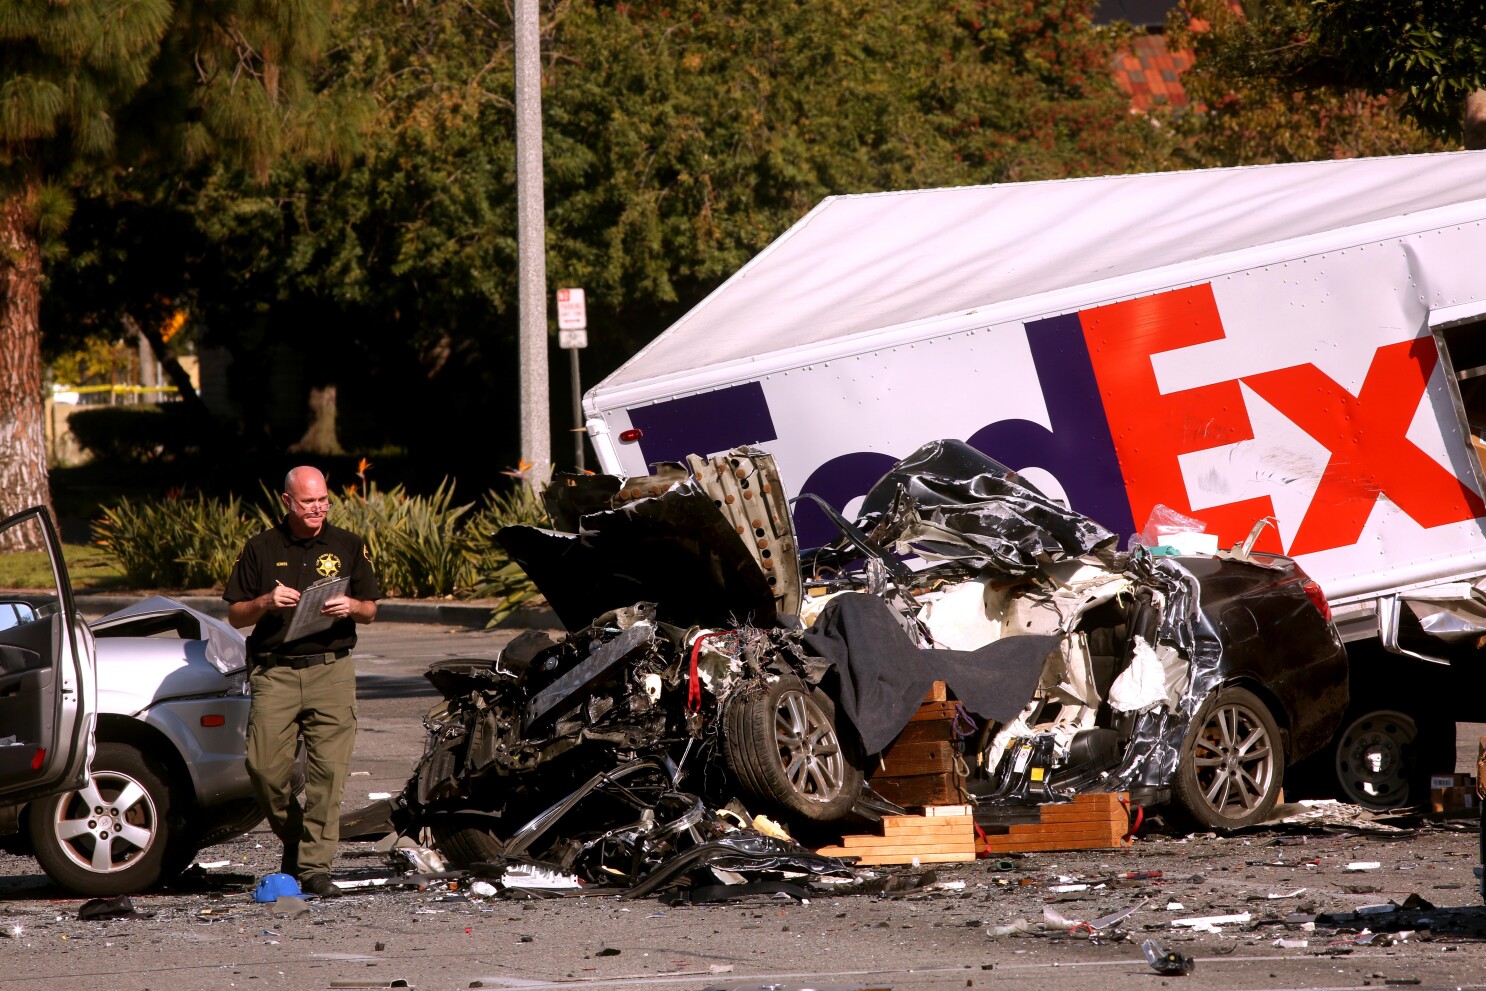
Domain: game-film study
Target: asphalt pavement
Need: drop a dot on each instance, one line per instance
(1309, 916)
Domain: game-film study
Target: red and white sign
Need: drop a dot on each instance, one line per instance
(572, 310)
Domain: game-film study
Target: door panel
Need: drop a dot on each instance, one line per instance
(47, 676)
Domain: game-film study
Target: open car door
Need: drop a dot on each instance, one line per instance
(48, 687)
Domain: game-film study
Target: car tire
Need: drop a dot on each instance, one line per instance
(462, 846)
(128, 798)
(783, 745)
(1372, 758)
(1232, 762)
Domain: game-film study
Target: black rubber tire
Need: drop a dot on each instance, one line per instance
(1372, 758)
(462, 846)
(1232, 763)
(784, 746)
(131, 866)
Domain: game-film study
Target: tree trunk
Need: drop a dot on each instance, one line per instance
(172, 365)
(23, 478)
(320, 436)
(1475, 119)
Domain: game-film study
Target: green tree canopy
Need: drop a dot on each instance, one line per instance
(1267, 92)
(680, 138)
(1431, 53)
(96, 90)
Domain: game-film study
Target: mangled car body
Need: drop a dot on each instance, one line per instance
(713, 666)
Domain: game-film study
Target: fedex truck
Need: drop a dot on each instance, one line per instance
(1303, 343)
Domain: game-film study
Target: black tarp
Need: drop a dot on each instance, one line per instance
(884, 675)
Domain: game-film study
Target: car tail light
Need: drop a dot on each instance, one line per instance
(214, 720)
(1318, 599)
(631, 435)
(38, 758)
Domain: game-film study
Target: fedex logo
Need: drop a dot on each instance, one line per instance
(1116, 442)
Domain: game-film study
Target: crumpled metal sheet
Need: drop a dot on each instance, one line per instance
(1151, 758)
(990, 521)
(743, 852)
(1453, 612)
(673, 549)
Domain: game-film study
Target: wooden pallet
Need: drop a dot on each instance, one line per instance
(1090, 822)
(943, 835)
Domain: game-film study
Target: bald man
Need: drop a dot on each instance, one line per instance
(305, 687)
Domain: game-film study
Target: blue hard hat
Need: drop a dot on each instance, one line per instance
(276, 886)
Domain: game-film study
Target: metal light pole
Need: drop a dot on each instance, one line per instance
(531, 247)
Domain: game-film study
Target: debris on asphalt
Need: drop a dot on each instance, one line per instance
(118, 907)
(1168, 963)
(1210, 923)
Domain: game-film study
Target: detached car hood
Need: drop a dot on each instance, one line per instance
(712, 546)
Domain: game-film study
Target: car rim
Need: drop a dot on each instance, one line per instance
(108, 825)
(808, 748)
(1370, 764)
(1234, 760)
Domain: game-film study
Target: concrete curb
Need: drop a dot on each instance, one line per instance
(463, 614)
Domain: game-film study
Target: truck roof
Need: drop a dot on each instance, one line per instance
(866, 263)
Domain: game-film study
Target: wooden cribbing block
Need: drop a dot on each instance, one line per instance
(1090, 822)
(928, 839)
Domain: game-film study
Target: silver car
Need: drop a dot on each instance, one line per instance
(168, 777)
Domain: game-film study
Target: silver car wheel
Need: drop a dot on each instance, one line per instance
(808, 748)
(1234, 760)
(107, 825)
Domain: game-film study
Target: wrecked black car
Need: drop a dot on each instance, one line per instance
(714, 672)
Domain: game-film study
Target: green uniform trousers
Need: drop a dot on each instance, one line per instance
(318, 702)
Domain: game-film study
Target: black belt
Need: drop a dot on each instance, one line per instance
(297, 661)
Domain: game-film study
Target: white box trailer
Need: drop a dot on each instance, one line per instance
(1295, 341)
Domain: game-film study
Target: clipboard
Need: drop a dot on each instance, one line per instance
(307, 617)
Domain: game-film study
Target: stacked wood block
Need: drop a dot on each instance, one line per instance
(919, 768)
(1089, 822)
(942, 835)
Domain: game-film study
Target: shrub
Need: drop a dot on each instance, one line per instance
(416, 543)
(497, 576)
(137, 433)
(179, 541)
(420, 546)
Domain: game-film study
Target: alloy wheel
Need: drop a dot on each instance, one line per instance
(808, 748)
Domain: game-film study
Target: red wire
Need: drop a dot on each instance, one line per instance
(693, 683)
(1139, 818)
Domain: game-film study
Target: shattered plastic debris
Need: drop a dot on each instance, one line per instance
(1057, 920)
(1168, 963)
(1291, 944)
(532, 876)
(1021, 927)
(1364, 865)
(1330, 812)
(1210, 923)
(370, 882)
(420, 858)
